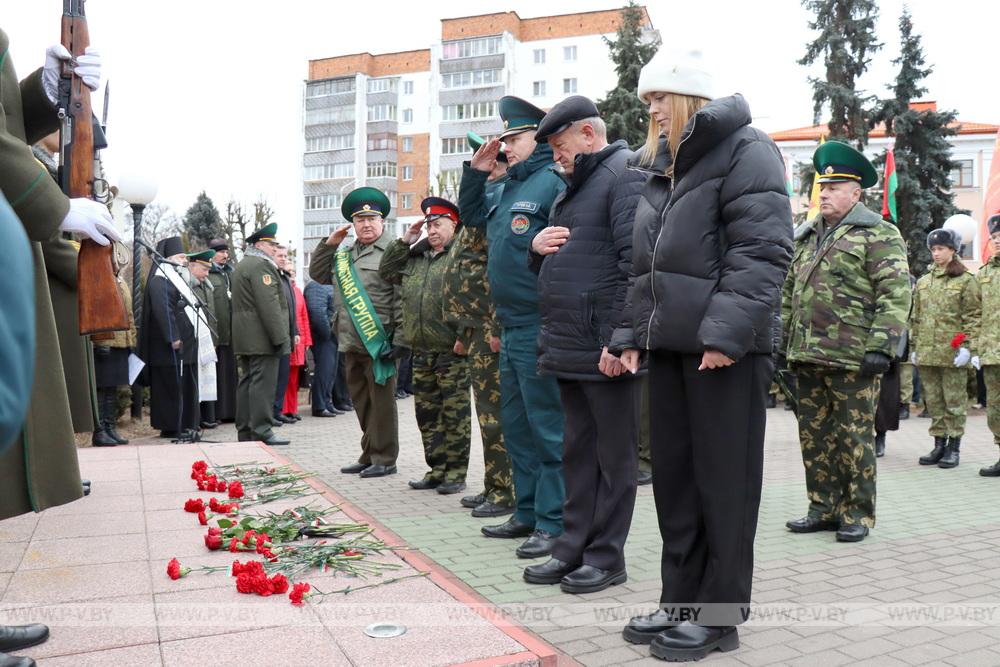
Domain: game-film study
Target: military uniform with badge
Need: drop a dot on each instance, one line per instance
(260, 335)
(844, 307)
(221, 275)
(988, 337)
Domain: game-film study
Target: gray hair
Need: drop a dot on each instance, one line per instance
(596, 122)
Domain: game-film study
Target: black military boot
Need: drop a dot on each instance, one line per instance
(950, 458)
(109, 413)
(990, 471)
(904, 411)
(102, 436)
(880, 445)
(936, 453)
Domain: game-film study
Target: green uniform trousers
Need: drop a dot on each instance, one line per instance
(257, 374)
(991, 375)
(836, 411)
(484, 368)
(946, 398)
(444, 414)
(375, 406)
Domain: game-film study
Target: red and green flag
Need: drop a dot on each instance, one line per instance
(889, 185)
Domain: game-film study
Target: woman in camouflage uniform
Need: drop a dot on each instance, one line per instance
(945, 318)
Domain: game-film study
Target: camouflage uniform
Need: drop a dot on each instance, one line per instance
(944, 306)
(988, 340)
(847, 293)
(467, 306)
(440, 377)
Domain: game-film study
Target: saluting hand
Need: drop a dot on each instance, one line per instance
(712, 359)
(549, 240)
(485, 158)
(413, 233)
(338, 235)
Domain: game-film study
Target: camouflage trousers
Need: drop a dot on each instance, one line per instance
(484, 367)
(991, 376)
(441, 402)
(836, 412)
(946, 398)
(905, 383)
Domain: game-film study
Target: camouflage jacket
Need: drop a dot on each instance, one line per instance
(467, 303)
(988, 337)
(847, 291)
(421, 274)
(943, 306)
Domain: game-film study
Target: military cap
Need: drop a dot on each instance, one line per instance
(218, 244)
(438, 207)
(564, 114)
(476, 141)
(946, 237)
(518, 115)
(170, 246)
(993, 224)
(268, 232)
(365, 202)
(201, 257)
(836, 162)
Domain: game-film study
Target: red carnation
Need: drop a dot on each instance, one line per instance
(193, 505)
(175, 571)
(263, 586)
(299, 593)
(215, 531)
(245, 583)
(213, 542)
(202, 518)
(213, 504)
(957, 341)
(199, 466)
(234, 545)
(235, 490)
(279, 583)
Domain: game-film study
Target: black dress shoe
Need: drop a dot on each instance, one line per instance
(879, 445)
(168, 434)
(772, 401)
(642, 629)
(424, 484)
(208, 426)
(550, 572)
(275, 441)
(296, 416)
(85, 482)
(323, 413)
(904, 411)
(472, 502)
(491, 509)
(644, 477)
(378, 471)
(449, 488)
(282, 418)
(102, 438)
(590, 579)
(17, 637)
(990, 471)
(86, 489)
(15, 661)
(337, 411)
(539, 544)
(354, 468)
(509, 529)
(686, 642)
(275, 423)
(346, 407)
(811, 524)
(852, 532)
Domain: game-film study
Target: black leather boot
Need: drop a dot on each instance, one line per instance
(990, 471)
(110, 414)
(950, 458)
(935, 454)
(880, 445)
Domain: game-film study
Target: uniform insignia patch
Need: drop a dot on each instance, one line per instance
(266, 278)
(520, 224)
(829, 170)
(526, 206)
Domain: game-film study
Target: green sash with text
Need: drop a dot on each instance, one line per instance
(363, 315)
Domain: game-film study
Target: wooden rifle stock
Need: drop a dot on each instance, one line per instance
(101, 306)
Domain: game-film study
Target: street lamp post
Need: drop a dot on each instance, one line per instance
(138, 192)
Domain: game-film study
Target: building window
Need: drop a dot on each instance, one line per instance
(455, 146)
(468, 111)
(539, 56)
(382, 170)
(324, 172)
(569, 85)
(407, 144)
(382, 85)
(332, 142)
(407, 115)
(470, 48)
(323, 88)
(378, 112)
(314, 202)
(405, 200)
(381, 142)
(569, 53)
(961, 175)
(538, 89)
(343, 114)
(408, 173)
(471, 78)
(407, 87)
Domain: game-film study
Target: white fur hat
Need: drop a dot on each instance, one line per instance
(683, 73)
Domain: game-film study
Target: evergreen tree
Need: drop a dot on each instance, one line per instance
(624, 113)
(923, 154)
(844, 45)
(202, 221)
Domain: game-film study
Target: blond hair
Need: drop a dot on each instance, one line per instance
(682, 108)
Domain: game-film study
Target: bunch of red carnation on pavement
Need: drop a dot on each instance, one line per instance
(299, 593)
(957, 341)
(251, 578)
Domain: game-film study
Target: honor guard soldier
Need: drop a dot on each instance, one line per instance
(260, 335)
(368, 315)
(844, 306)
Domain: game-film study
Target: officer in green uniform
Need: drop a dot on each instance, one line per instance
(440, 373)
(468, 306)
(220, 275)
(531, 413)
(989, 337)
(943, 325)
(844, 307)
(260, 335)
(199, 265)
(368, 315)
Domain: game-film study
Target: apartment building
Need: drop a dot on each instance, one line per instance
(398, 121)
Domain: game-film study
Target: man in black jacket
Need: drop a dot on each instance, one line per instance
(319, 303)
(584, 258)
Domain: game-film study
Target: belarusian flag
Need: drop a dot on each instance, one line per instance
(890, 183)
(814, 193)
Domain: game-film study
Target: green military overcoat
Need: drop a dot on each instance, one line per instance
(220, 278)
(260, 308)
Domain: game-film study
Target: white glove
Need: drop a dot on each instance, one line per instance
(962, 358)
(90, 219)
(913, 358)
(88, 68)
(976, 363)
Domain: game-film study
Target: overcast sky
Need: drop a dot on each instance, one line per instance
(207, 94)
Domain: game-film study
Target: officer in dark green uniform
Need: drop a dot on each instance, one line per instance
(530, 408)
(220, 274)
(468, 306)
(844, 307)
(260, 335)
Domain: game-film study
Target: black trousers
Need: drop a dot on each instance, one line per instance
(284, 368)
(599, 461)
(226, 380)
(325, 356)
(173, 398)
(707, 444)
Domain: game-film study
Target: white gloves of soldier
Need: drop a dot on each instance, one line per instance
(976, 363)
(962, 358)
(88, 68)
(90, 219)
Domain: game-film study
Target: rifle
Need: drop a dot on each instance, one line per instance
(101, 306)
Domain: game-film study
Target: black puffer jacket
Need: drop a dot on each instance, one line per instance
(582, 288)
(710, 254)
